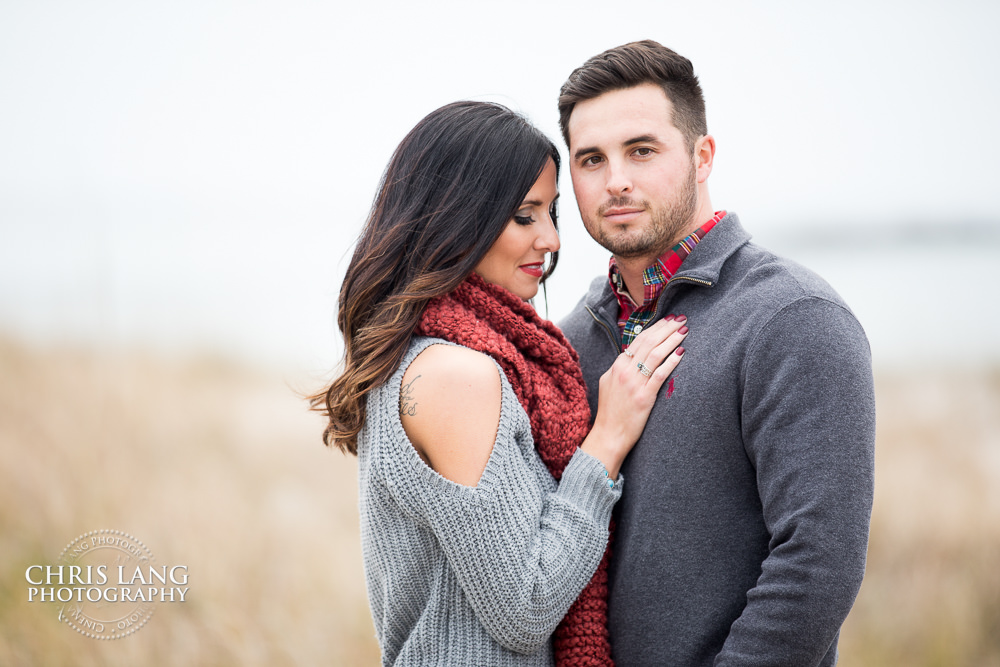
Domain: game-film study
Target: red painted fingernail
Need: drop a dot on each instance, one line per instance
(668, 318)
(680, 351)
(681, 318)
(682, 330)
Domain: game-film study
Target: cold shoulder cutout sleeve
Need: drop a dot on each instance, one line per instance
(450, 403)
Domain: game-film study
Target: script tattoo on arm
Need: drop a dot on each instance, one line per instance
(407, 406)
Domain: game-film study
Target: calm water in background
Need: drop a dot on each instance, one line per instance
(260, 297)
(920, 305)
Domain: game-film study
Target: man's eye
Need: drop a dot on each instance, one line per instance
(593, 159)
(643, 151)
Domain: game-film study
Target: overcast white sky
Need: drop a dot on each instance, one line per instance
(195, 172)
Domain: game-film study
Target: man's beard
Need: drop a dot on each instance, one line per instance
(666, 226)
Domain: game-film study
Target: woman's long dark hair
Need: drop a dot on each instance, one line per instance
(449, 191)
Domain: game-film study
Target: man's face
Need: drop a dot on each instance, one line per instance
(633, 175)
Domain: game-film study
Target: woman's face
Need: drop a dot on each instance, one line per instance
(517, 259)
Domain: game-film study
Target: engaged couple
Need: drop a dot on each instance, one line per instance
(680, 473)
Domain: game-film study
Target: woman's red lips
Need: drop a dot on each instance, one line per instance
(535, 270)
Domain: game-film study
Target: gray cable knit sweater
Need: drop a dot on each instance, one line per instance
(474, 576)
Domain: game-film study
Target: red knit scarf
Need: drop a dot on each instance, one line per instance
(544, 371)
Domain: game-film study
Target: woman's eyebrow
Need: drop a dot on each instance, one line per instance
(537, 202)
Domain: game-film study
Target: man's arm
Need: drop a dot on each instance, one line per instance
(808, 425)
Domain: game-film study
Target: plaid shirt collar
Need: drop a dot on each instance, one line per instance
(654, 278)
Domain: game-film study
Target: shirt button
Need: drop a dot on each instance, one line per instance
(637, 329)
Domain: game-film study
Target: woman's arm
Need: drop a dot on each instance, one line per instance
(521, 548)
(521, 553)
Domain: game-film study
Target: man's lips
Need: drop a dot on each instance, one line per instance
(622, 214)
(535, 269)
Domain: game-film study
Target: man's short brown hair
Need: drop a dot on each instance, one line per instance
(632, 65)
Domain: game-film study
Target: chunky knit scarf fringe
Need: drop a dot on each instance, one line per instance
(544, 371)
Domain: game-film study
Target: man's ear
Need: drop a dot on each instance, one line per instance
(704, 156)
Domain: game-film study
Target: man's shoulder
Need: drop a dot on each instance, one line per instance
(760, 273)
(729, 258)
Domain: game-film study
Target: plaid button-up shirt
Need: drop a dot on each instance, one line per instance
(633, 317)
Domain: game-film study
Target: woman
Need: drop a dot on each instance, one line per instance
(485, 498)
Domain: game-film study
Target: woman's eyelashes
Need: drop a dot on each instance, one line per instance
(523, 218)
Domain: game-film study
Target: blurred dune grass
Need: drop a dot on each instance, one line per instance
(213, 466)
(220, 467)
(931, 595)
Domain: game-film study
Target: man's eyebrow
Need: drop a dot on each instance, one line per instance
(641, 139)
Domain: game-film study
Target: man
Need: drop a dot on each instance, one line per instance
(742, 532)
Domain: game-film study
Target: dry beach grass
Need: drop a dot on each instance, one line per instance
(209, 465)
(931, 594)
(220, 468)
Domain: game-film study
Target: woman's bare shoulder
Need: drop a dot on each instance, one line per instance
(449, 404)
(446, 365)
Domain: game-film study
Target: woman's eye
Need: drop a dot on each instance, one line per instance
(523, 219)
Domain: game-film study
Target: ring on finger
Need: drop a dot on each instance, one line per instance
(644, 369)
(628, 353)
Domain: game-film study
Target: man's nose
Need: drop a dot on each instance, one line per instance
(619, 181)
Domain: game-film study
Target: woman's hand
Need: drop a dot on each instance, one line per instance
(628, 390)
